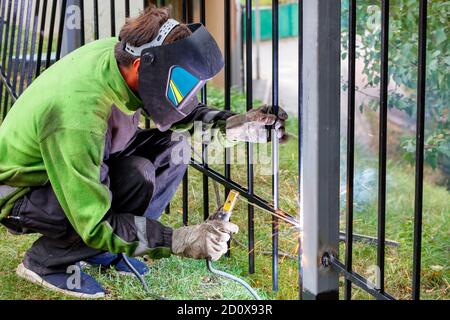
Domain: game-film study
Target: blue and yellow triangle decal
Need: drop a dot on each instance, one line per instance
(175, 92)
(181, 83)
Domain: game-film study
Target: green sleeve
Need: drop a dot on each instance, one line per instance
(72, 159)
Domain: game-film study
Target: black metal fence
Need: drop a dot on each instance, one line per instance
(32, 37)
(346, 269)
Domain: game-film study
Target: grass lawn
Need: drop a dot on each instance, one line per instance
(177, 278)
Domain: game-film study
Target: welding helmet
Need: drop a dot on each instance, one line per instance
(170, 76)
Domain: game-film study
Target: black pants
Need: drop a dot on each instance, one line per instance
(142, 180)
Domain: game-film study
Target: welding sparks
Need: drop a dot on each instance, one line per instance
(280, 214)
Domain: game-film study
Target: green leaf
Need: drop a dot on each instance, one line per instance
(440, 36)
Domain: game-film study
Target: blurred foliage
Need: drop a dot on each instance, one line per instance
(436, 144)
(403, 66)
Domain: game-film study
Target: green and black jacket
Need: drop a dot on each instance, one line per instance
(60, 131)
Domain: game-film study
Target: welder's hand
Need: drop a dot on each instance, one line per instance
(254, 126)
(206, 240)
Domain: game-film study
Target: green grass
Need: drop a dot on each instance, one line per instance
(177, 278)
(173, 278)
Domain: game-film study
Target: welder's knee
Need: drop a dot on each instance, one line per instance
(142, 168)
(132, 184)
(142, 174)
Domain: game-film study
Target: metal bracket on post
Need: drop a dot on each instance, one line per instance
(321, 147)
(72, 37)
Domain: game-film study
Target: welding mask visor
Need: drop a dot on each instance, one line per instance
(170, 76)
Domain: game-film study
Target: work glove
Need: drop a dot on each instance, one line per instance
(255, 125)
(206, 240)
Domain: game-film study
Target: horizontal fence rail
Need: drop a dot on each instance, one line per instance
(34, 34)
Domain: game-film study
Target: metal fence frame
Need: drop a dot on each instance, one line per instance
(319, 25)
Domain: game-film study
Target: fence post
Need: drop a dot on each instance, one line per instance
(321, 144)
(72, 37)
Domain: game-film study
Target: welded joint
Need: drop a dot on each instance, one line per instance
(326, 259)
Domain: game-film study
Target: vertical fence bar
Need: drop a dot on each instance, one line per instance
(33, 42)
(73, 33)
(8, 68)
(62, 20)
(227, 84)
(257, 9)
(96, 28)
(82, 32)
(190, 13)
(249, 100)
(242, 51)
(2, 24)
(420, 133)
(185, 187)
(147, 119)
(184, 9)
(350, 145)
(50, 36)
(227, 89)
(321, 142)
(383, 143)
(25, 46)
(5, 49)
(204, 147)
(41, 38)
(5, 40)
(18, 44)
(185, 197)
(127, 8)
(12, 40)
(275, 147)
(113, 17)
(300, 135)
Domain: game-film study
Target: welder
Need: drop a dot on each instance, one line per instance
(76, 168)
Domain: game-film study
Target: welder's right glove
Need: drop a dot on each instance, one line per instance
(254, 126)
(206, 240)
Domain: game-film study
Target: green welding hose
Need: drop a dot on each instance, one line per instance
(135, 272)
(140, 277)
(233, 278)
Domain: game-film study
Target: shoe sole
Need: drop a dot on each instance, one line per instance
(33, 277)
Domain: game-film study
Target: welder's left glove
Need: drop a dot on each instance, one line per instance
(255, 125)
